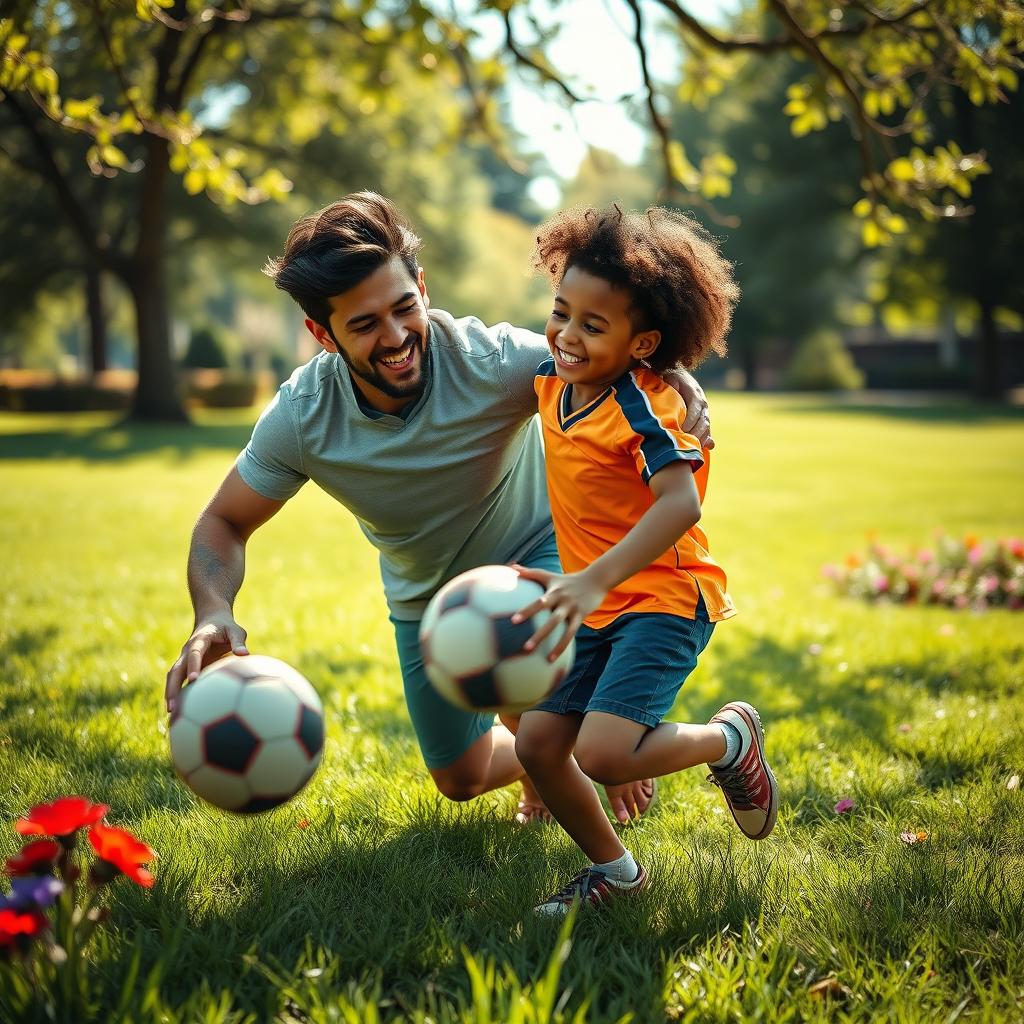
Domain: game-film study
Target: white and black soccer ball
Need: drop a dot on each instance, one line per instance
(473, 653)
(248, 733)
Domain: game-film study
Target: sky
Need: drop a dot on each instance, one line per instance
(595, 54)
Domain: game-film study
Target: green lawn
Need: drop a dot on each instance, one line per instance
(372, 910)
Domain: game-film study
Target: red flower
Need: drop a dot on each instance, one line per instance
(120, 852)
(16, 923)
(61, 818)
(34, 859)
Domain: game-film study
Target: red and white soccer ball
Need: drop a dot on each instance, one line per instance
(248, 733)
(472, 652)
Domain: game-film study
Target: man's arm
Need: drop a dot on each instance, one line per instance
(216, 568)
(698, 418)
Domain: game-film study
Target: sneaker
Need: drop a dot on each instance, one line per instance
(747, 783)
(589, 886)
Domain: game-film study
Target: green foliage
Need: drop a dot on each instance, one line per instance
(822, 363)
(207, 347)
(365, 913)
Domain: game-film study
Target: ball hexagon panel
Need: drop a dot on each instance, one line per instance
(186, 745)
(269, 707)
(304, 691)
(221, 788)
(230, 744)
(528, 679)
(463, 643)
(504, 599)
(210, 697)
(310, 732)
(280, 769)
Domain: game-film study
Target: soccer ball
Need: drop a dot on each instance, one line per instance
(472, 652)
(248, 733)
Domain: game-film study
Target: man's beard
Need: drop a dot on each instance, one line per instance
(374, 379)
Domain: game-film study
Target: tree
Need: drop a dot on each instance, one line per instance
(875, 66)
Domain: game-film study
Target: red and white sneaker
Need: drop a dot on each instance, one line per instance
(748, 783)
(591, 886)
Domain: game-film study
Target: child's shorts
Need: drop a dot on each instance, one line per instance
(632, 667)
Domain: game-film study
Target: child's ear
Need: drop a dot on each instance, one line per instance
(645, 343)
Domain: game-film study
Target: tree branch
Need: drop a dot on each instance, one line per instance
(546, 74)
(661, 128)
(75, 212)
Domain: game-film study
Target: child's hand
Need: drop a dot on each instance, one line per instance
(570, 599)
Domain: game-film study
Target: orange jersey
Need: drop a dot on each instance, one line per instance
(600, 460)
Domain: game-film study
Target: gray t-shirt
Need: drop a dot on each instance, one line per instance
(456, 482)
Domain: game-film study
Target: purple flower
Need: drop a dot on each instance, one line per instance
(844, 805)
(32, 891)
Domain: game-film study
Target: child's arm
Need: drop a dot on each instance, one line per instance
(572, 597)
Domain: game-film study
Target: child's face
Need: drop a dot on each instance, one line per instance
(590, 333)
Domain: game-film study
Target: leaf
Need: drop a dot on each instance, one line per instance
(194, 182)
(44, 81)
(81, 110)
(902, 169)
(113, 157)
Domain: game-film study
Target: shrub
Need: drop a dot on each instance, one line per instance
(822, 363)
(967, 573)
(222, 389)
(207, 349)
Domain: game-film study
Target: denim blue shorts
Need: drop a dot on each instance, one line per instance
(633, 667)
(443, 731)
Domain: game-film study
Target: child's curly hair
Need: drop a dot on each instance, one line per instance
(679, 283)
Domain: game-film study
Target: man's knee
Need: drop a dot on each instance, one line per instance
(457, 788)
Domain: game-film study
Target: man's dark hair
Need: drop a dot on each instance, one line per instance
(336, 248)
(678, 282)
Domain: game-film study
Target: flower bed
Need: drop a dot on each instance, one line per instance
(966, 573)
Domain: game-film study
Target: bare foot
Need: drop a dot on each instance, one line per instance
(630, 800)
(531, 807)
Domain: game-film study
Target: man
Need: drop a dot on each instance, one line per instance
(423, 427)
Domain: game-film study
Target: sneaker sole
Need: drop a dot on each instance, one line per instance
(753, 719)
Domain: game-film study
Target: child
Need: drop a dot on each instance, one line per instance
(637, 295)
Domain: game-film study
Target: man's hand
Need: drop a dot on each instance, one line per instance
(570, 599)
(210, 640)
(698, 419)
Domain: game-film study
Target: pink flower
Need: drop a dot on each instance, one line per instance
(976, 554)
(939, 587)
(830, 572)
(844, 805)
(925, 556)
(990, 583)
(881, 584)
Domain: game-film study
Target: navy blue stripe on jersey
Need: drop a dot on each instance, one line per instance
(547, 368)
(567, 418)
(658, 447)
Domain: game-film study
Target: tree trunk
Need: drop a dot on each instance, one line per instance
(988, 371)
(988, 381)
(97, 320)
(157, 396)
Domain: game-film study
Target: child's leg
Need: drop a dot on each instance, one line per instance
(611, 749)
(544, 745)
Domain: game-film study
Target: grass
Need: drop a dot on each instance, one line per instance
(396, 905)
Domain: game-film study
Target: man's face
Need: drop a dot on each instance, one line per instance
(380, 329)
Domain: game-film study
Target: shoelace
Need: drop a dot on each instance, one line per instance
(579, 885)
(736, 786)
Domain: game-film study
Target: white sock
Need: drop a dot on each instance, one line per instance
(622, 870)
(732, 745)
